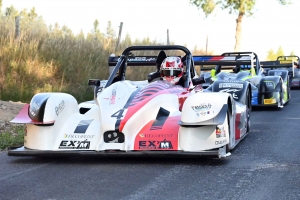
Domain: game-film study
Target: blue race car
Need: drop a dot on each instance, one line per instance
(290, 63)
(269, 88)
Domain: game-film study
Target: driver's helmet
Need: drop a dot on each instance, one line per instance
(171, 69)
(245, 67)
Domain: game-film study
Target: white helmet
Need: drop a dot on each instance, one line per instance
(171, 69)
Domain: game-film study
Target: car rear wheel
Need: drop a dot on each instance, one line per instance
(228, 121)
(281, 96)
(248, 109)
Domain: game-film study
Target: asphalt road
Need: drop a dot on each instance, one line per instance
(264, 166)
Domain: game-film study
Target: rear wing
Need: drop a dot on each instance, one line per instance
(295, 58)
(226, 59)
(279, 64)
(209, 62)
(132, 61)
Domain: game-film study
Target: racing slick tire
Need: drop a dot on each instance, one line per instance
(228, 121)
(228, 149)
(288, 90)
(249, 109)
(281, 93)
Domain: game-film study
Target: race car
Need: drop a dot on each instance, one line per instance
(268, 89)
(139, 119)
(290, 63)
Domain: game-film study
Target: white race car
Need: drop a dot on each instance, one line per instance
(126, 118)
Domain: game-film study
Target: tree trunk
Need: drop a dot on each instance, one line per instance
(238, 32)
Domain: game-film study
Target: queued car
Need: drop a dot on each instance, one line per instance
(127, 117)
(290, 63)
(269, 88)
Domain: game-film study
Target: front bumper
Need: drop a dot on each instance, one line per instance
(263, 99)
(23, 151)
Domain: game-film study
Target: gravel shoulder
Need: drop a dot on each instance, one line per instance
(8, 110)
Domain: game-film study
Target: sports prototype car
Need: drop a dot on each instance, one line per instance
(268, 89)
(290, 63)
(130, 118)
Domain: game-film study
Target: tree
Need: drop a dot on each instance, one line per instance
(240, 7)
(110, 32)
(96, 27)
(96, 34)
(280, 52)
(273, 56)
(292, 53)
(32, 14)
(11, 12)
(0, 6)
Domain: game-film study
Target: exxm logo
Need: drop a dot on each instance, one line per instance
(70, 144)
(153, 144)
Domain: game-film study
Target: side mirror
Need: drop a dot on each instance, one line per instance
(96, 84)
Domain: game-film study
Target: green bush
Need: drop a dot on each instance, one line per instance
(12, 138)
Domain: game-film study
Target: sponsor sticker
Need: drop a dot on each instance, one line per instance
(221, 142)
(34, 107)
(202, 107)
(269, 84)
(142, 135)
(269, 101)
(220, 131)
(231, 85)
(154, 144)
(203, 113)
(60, 107)
(71, 136)
(113, 97)
(136, 59)
(70, 144)
(285, 61)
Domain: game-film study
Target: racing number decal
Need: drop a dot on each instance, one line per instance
(119, 114)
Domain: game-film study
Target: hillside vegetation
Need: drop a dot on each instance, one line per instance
(53, 59)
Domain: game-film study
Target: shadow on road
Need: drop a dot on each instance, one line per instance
(123, 160)
(261, 108)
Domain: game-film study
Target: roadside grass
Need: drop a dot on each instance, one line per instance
(11, 135)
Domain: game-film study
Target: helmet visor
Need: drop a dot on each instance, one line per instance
(171, 72)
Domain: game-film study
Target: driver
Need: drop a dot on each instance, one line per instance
(242, 68)
(171, 70)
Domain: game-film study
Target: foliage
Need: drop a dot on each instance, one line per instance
(11, 137)
(234, 6)
(53, 59)
(240, 7)
(280, 52)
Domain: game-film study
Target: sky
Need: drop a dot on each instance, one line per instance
(272, 25)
